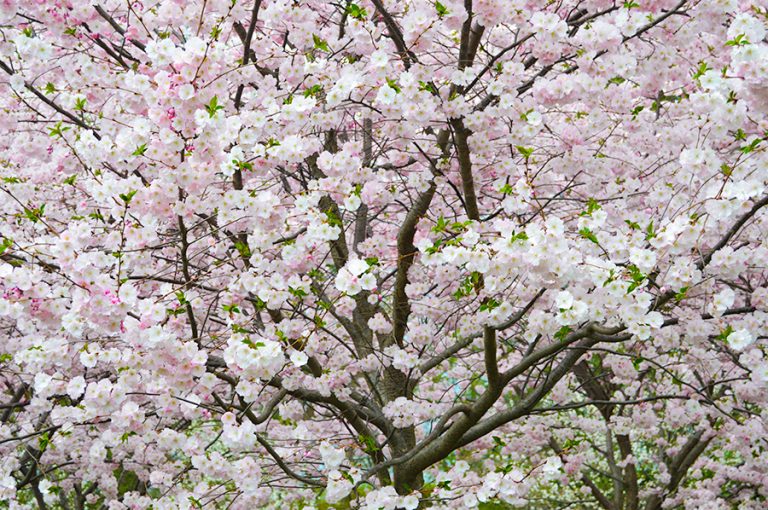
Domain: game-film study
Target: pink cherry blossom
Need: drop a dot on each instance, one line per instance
(383, 254)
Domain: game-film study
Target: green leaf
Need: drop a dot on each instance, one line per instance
(700, 70)
(369, 443)
(723, 336)
(751, 147)
(80, 104)
(43, 441)
(357, 12)
(50, 88)
(650, 232)
(393, 85)
(526, 152)
(441, 9)
(592, 206)
(181, 298)
(489, 305)
(35, 214)
(616, 80)
(58, 130)
(467, 285)
(333, 219)
(428, 86)
(588, 234)
(637, 277)
(435, 247)
(70, 180)
(230, 309)
(243, 249)
(127, 197)
(127, 481)
(562, 333)
(140, 150)
(313, 91)
(611, 278)
(440, 226)
(739, 40)
(320, 44)
(96, 216)
(213, 106)
(520, 236)
(243, 165)
(299, 293)
(5, 244)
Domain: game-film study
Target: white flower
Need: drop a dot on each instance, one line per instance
(722, 301)
(88, 359)
(379, 58)
(761, 372)
(385, 498)
(533, 118)
(17, 82)
(645, 260)
(257, 357)
(338, 487)
(552, 467)
(332, 457)
(298, 358)
(301, 104)
(351, 278)
(202, 118)
(410, 502)
(76, 387)
(7, 13)
(576, 313)
(403, 360)
(740, 339)
(195, 46)
(548, 23)
(386, 95)
(356, 266)
(564, 300)
(352, 202)
(186, 92)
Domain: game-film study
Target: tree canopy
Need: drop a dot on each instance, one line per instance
(380, 254)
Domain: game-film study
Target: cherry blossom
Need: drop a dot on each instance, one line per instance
(367, 254)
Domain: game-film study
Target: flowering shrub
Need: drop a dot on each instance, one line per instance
(383, 254)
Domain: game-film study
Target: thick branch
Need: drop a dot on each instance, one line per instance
(406, 252)
(461, 135)
(395, 34)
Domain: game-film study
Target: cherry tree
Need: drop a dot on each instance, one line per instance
(383, 254)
